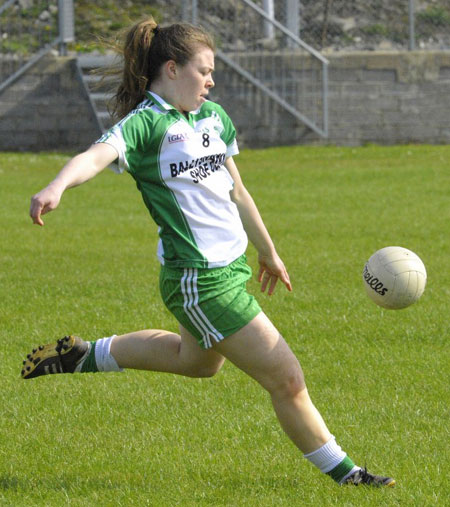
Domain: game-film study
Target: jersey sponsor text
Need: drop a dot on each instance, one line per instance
(199, 168)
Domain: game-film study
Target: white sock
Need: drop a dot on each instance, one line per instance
(327, 457)
(105, 361)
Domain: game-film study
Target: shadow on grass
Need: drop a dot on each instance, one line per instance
(11, 483)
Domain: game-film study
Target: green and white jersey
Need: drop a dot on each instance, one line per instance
(178, 165)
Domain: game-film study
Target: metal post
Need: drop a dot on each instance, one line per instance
(194, 12)
(184, 11)
(412, 35)
(293, 19)
(325, 98)
(268, 7)
(66, 25)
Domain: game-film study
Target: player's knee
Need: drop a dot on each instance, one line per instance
(208, 371)
(205, 370)
(289, 385)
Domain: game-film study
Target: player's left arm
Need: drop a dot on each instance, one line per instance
(271, 267)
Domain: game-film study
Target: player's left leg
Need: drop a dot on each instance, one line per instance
(259, 350)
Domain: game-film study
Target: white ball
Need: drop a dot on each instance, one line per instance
(394, 277)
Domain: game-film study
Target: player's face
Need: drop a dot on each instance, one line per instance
(194, 80)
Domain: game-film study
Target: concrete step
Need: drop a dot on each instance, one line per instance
(87, 61)
(91, 79)
(100, 96)
(99, 92)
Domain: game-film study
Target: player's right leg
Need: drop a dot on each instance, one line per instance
(153, 350)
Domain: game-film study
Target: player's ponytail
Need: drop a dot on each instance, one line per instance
(136, 67)
(146, 47)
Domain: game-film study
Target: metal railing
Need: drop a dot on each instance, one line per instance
(29, 29)
(273, 45)
(268, 56)
(366, 25)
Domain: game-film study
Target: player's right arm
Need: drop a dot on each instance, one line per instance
(79, 169)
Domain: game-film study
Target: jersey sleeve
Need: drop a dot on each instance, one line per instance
(114, 138)
(127, 138)
(228, 134)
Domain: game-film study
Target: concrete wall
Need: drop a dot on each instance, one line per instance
(390, 98)
(386, 98)
(374, 97)
(47, 108)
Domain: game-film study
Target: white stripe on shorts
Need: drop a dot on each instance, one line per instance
(193, 310)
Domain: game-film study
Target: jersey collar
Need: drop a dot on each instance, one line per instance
(159, 101)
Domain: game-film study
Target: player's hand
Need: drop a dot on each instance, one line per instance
(44, 201)
(271, 268)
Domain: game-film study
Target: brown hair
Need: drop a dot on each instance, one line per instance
(146, 47)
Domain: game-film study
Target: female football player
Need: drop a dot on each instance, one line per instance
(179, 148)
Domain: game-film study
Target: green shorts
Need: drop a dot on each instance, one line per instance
(210, 303)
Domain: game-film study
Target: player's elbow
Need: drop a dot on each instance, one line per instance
(239, 194)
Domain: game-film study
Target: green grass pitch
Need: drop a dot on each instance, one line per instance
(379, 377)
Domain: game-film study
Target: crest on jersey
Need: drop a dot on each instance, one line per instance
(178, 138)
